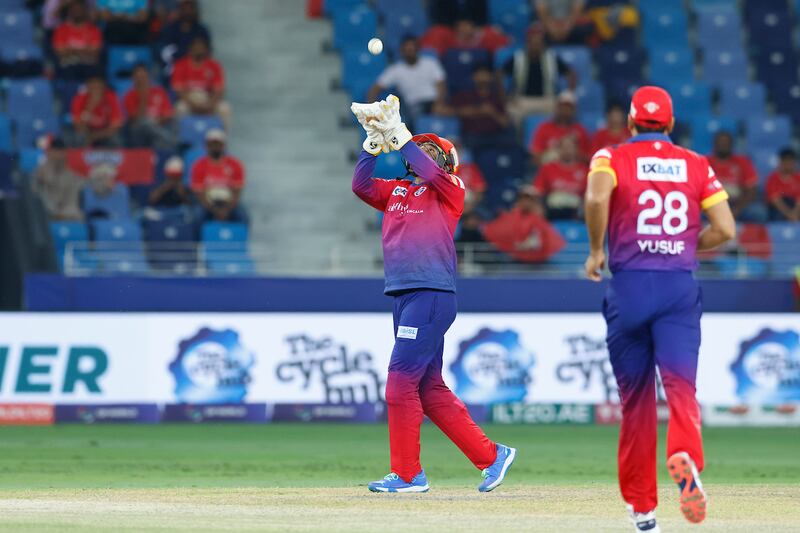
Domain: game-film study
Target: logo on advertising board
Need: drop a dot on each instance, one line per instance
(492, 367)
(587, 365)
(346, 376)
(767, 370)
(212, 367)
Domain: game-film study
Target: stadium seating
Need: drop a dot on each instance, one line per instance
(29, 131)
(16, 28)
(21, 61)
(192, 129)
(225, 248)
(115, 206)
(459, 63)
(28, 99)
(64, 233)
(354, 27)
(390, 166)
(579, 58)
(591, 97)
(122, 59)
(399, 20)
(787, 101)
(29, 159)
(671, 65)
(777, 67)
(725, 66)
(231, 235)
(501, 164)
(719, 28)
(6, 143)
(6, 171)
(360, 69)
(690, 99)
(448, 127)
(785, 237)
(740, 100)
(768, 133)
(705, 127)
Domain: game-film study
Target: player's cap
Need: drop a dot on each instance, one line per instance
(567, 97)
(174, 166)
(651, 106)
(215, 134)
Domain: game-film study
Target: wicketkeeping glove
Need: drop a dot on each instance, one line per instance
(368, 116)
(394, 131)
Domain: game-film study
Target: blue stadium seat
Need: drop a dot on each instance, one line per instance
(689, 99)
(666, 27)
(29, 98)
(15, 53)
(785, 237)
(407, 18)
(530, 125)
(787, 101)
(29, 131)
(6, 172)
(390, 166)
(741, 267)
(360, 69)
(704, 128)
(448, 127)
(621, 90)
(16, 28)
(192, 129)
(12, 5)
(699, 6)
(116, 205)
(116, 231)
(168, 231)
(63, 233)
(354, 27)
(740, 100)
(770, 26)
(765, 160)
(620, 63)
(29, 159)
(591, 97)
(459, 64)
(189, 158)
(65, 91)
(122, 59)
(241, 266)
(777, 67)
(671, 65)
(592, 121)
(719, 28)
(230, 233)
(579, 58)
(572, 231)
(501, 164)
(512, 16)
(5, 134)
(768, 132)
(725, 66)
(331, 7)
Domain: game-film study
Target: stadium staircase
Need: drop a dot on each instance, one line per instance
(286, 130)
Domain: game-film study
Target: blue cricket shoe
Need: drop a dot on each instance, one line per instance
(494, 475)
(394, 483)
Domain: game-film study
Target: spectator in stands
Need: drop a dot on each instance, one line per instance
(172, 192)
(418, 80)
(96, 114)
(57, 185)
(783, 188)
(616, 129)
(447, 12)
(564, 20)
(199, 82)
(482, 111)
(614, 21)
(149, 112)
(562, 182)
(178, 35)
(474, 182)
(217, 181)
(102, 197)
(77, 43)
(465, 34)
(471, 245)
(534, 73)
(125, 20)
(736, 172)
(523, 232)
(563, 124)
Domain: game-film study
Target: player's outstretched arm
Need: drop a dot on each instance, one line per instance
(598, 197)
(721, 228)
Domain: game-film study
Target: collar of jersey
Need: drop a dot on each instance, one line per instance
(645, 137)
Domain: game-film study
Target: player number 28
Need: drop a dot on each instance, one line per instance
(673, 206)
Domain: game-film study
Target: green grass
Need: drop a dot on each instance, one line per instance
(286, 477)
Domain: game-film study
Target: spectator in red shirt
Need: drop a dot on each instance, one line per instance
(474, 182)
(783, 188)
(482, 111)
(199, 82)
(562, 182)
(77, 44)
(523, 232)
(149, 112)
(564, 124)
(736, 172)
(96, 114)
(465, 34)
(616, 130)
(217, 181)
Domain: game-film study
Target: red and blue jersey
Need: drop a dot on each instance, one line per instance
(419, 221)
(660, 191)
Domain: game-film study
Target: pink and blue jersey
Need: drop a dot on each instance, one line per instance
(660, 191)
(419, 221)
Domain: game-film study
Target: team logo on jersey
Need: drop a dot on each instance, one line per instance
(492, 367)
(658, 169)
(420, 191)
(767, 370)
(400, 191)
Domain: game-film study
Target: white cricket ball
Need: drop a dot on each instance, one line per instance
(375, 46)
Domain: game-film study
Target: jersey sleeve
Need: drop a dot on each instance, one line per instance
(372, 191)
(603, 161)
(712, 192)
(448, 186)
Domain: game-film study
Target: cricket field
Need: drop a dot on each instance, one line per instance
(313, 478)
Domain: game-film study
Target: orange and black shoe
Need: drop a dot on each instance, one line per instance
(693, 498)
